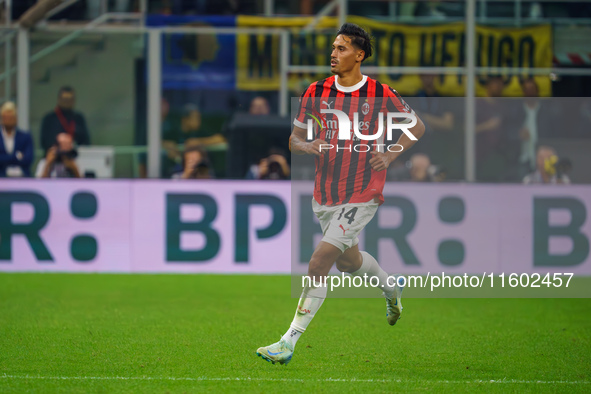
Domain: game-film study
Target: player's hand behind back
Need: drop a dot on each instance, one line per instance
(380, 160)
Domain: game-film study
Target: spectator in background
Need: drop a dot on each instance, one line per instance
(191, 130)
(16, 146)
(60, 160)
(275, 166)
(428, 86)
(490, 136)
(417, 169)
(549, 169)
(195, 164)
(259, 106)
(444, 142)
(188, 131)
(63, 119)
(533, 120)
(528, 134)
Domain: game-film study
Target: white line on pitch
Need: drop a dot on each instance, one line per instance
(212, 379)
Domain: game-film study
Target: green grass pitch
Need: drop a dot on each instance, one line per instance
(190, 333)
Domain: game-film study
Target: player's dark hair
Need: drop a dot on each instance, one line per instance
(65, 89)
(523, 81)
(495, 77)
(195, 148)
(360, 39)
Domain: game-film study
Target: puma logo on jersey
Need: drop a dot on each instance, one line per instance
(341, 226)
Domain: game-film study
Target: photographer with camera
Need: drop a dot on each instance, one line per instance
(549, 168)
(60, 161)
(275, 166)
(417, 169)
(195, 164)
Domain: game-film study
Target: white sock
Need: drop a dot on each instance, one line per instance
(310, 301)
(291, 336)
(371, 267)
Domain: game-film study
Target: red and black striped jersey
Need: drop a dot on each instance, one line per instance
(344, 175)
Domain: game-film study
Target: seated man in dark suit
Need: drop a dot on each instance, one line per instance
(16, 146)
(63, 119)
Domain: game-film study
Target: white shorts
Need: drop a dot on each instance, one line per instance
(341, 224)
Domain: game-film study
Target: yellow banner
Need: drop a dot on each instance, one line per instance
(395, 45)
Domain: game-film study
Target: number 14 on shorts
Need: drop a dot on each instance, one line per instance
(350, 215)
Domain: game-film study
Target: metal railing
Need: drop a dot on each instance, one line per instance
(91, 26)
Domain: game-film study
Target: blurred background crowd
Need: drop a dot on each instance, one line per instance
(88, 109)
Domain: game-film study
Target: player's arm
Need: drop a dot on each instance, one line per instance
(299, 146)
(444, 122)
(382, 160)
(298, 143)
(488, 125)
(395, 103)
